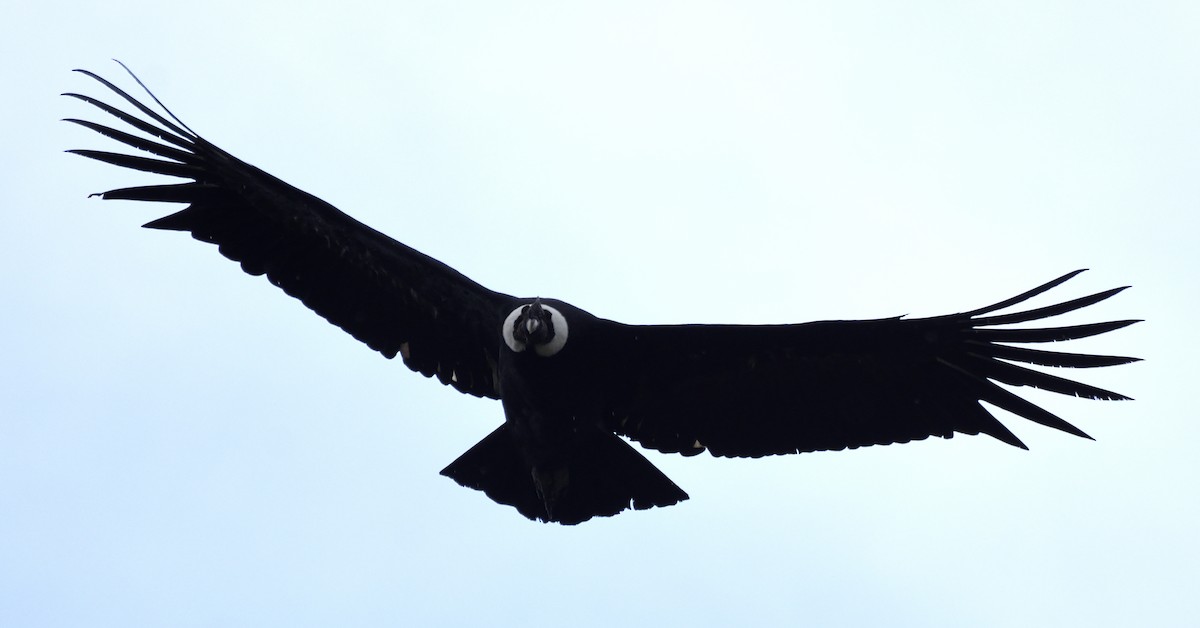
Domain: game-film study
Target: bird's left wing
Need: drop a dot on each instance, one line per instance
(777, 389)
(393, 298)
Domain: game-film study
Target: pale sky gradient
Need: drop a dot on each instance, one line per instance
(182, 445)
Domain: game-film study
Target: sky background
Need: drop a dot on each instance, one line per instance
(183, 445)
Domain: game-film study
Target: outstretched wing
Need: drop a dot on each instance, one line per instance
(391, 297)
(762, 390)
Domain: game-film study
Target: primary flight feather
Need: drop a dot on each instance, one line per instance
(573, 384)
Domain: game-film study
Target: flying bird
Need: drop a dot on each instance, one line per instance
(574, 386)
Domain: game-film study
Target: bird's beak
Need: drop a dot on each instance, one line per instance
(533, 318)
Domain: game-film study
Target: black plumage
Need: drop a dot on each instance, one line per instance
(571, 383)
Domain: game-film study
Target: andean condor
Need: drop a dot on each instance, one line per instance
(572, 384)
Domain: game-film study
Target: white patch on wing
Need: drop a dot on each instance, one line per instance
(507, 331)
(560, 334)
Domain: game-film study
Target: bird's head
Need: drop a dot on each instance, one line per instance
(534, 324)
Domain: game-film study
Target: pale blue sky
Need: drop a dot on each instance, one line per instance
(182, 445)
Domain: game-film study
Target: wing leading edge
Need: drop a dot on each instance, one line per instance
(393, 298)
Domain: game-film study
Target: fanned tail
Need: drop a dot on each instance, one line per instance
(606, 478)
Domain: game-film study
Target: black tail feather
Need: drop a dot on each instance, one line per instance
(494, 466)
(606, 477)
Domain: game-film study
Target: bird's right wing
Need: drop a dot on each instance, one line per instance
(393, 298)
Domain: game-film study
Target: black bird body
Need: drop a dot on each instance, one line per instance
(573, 384)
(562, 462)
